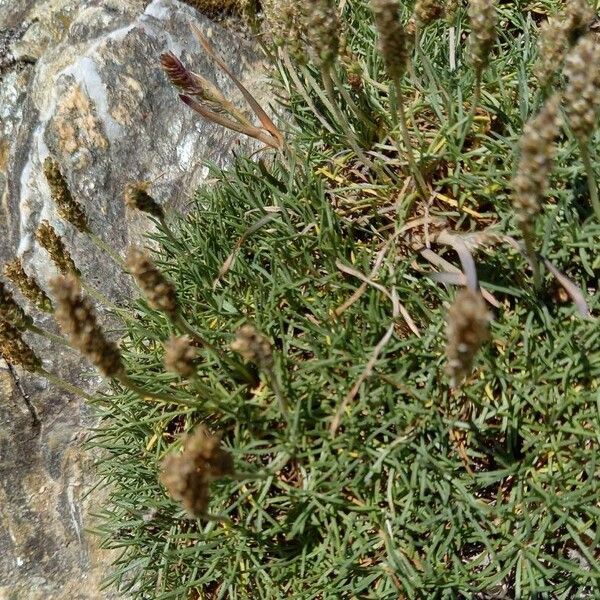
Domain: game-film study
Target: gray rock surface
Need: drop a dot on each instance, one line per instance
(79, 80)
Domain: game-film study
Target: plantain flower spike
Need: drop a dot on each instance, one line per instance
(11, 311)
(394, 42)
(68, 208)
(159, 291)
(137, 198)
(467, 329)
(50, 240)
(27, 285)
(582, 95)
(77, 318)
(253, 346)
(538, 148)
(188, 475)
(427, 11)
(180, 356)
(15, 350)
(557, 36)
(323, 30)
(482, 14)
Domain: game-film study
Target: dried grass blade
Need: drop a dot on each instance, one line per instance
(265, 120)
(214, 117)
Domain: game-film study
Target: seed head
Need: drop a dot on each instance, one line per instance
(11, 311)
(557, 35)
(427, 11)
(253, 346)
(50, 240)
(27, 285)
(323, 30)
(15, 350)
(285, 20)
(582, 95)
(136, 197)
(77, 318)
(467, 329)
(394, 41)
(535, 164)
(67, 207)
(180, 356)
(482, 14)
(160, 292)
(451, 10)
(187, 476)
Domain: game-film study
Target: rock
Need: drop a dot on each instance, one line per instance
(79, 80)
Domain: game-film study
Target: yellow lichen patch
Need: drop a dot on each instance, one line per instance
(77, 127)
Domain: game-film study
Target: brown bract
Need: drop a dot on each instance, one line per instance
(15, 350)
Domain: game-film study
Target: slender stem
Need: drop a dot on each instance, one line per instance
(409, 152)
(181, 323)
(54, 338)
(342, 121)
(349, 101)
(302, 91)
(144, 394)
(591, 178)
(167, 229)
(274, 382)
(428, 68)
(62, 384)
(472, 111)
(532, 257)
(106, 248)
(99, 297)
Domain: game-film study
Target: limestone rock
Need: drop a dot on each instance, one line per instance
(79, 80)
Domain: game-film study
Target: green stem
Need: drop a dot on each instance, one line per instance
(67, 387)
(409, 152)
(181, 323)
(99, 297)
(167, 229)
(342, 121)
(274, 382)
(349, 101)
(532, 257)
(472, 111)
(434, 83)
(591, 178)
(106, 248)
(54, 338)
(144, 394)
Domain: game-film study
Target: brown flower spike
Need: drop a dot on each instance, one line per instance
(557, 35)
(137, 197)
(27, 285)
(323, 30)
(466, 331)
(482, 14)
(67, 207)
(11, 311)
(15, 350)
(427, 11)
(394, 41)
(50, 240)
(582, 96)
(160, 292)
(253, 346)
(77, 318)
(535, 164)
(180, 356)
(188, 475)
